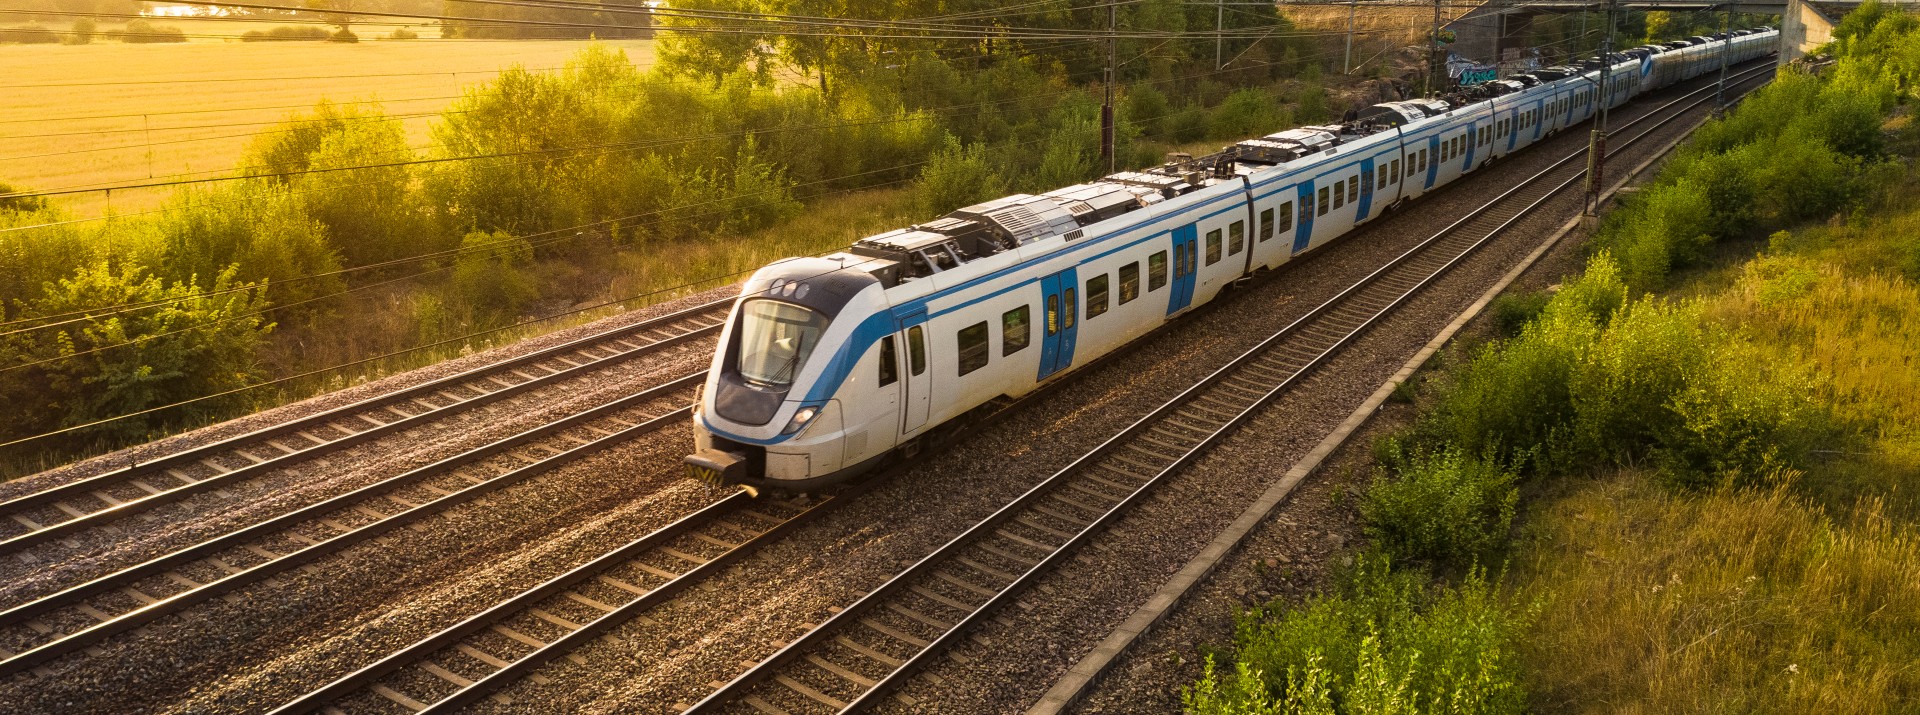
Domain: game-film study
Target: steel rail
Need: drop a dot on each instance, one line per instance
(314, 549)
(947, 579)
(353, 415)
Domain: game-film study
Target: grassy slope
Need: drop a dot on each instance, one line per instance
(1802, 598)
(110, 150)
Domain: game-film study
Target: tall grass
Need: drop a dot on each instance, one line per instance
(1734, 601)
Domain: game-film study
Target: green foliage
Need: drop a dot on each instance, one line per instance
(403, 33)
(1247, 112)
(29, 35)
(286, 33)
(343, 35)
(1512, 311)
(142, 32)
(250, 228)
(1384, 642)
(490, 277)
(957, 176)
(197, 340)
(370, 208)
(82, 32)
(1446, 506)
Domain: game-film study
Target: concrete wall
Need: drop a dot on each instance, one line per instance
(1802, 27)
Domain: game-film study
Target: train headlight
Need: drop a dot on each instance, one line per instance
(800, 419)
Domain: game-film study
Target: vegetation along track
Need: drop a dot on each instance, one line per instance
(79, 616)
(869, 648)
(87, 503)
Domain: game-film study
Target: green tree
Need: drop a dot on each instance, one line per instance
(957, 176)
(490, 278)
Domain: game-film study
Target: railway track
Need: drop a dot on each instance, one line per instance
(80, 616)
(867, 650)
(62, 511)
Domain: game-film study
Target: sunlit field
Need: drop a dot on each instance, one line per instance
(111, 113)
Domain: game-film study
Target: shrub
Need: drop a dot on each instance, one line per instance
(1512, 311)
(957, 176)
(403, 33)
(82, 32)
(1384, 641)
(142, 32)
(1442, 507)
(29, 35)
(489, 278)
(344, 35)
(286, 33)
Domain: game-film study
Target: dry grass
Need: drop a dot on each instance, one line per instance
(59, 136)
(1737, 602)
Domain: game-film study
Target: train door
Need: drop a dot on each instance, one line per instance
(1366, 191)
(1304, 237)
(1186, 255)
(917, 385)
(1061, 304)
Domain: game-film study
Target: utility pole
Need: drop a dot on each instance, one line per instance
(1106, 110)
(1597, 144)
(1720, 90)
(1352, 7)
(1434, 65)
(1219, 33)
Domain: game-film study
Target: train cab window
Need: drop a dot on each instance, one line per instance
(1286, 215)
(1236, 237)
(1157, 271)
(1213, 247)
(889, 362)
(1339, 194)
(916, 350)
(1096, 296)
(1129, 283)
(1016, 330)
(1266, 224)
(973, 347)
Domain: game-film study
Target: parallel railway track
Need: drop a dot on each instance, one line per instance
(62, 511)
(867, 650)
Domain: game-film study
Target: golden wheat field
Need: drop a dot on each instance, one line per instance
(112, 114)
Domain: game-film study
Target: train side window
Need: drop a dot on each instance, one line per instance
(1381, 174)
(1213, 247)
(1266, 224)
(1157, 271)
(1423, 159)
(1053, 314)
(1016, 330)
(916, 350)
(1072, 308)
(1326, 198)
(973, 347)
(1396, 171)
(889, 362)
(1096, 296)
(1236, 237)
(1339, 194)
(1353, 187)
(1129, 283)
(1286, 215)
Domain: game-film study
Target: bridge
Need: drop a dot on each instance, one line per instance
(1496, 29)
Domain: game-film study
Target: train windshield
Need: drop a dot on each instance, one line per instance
(775, 340)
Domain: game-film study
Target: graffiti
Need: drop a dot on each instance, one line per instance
(1466, 72)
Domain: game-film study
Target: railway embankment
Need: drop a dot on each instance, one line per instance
(1671, 472)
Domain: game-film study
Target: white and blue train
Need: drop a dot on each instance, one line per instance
(827, 366)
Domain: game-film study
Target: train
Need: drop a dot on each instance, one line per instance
(830, 366)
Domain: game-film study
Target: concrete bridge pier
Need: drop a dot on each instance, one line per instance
(1803, 26)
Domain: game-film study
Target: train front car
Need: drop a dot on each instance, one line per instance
(769, 414)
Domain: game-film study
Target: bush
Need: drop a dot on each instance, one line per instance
(1384, 642)
(287, 33)
(403, 33)
(1512, 311)
(1441, 507)
(344, 35)
(142, 32)
(82, 32)
(489, 278)
(957, 176)
(29, 35)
